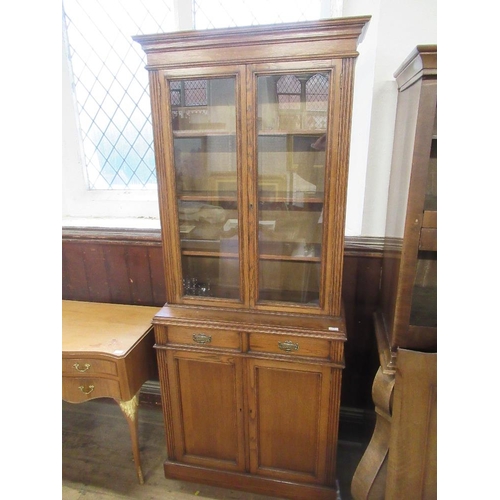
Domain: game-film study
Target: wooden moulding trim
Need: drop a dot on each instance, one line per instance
(330, 327)
(324, 39)
(333, 426)
(362, 246)
(422, 62)
(242, 327)
(310, 360)
(330, 29)
(248, 482)
(112, 235)
(166, 403)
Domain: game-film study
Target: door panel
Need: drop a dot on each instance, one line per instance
(288, 425)
(207, 404)
(296, 119)
(206, 189)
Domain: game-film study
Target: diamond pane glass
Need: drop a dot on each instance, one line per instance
(111, 87)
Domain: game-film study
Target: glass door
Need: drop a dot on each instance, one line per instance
(423, 311)
(205, 145)
(292, 120)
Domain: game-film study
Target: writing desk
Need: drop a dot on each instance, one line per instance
(107, 351)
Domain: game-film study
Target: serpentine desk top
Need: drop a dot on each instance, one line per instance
(104, 328)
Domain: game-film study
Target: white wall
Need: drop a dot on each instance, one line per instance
(396, 27)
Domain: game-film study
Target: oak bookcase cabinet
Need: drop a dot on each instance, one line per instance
(407, 316)
(252, 133)
(400, 460)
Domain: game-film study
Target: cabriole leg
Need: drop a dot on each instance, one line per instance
(130, 410)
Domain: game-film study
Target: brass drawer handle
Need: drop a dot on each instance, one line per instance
(288, 346)
(88, 391)
(86, 366)
(201, 338)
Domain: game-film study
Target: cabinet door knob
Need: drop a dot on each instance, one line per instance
(288, 346)
(201, 338)
(86, 391)
(86, 366)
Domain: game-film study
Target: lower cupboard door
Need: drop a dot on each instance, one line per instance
(293, 423)
(207, 409)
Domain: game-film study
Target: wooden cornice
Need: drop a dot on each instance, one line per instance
(320, 39)
(339, 28)
(421, 63)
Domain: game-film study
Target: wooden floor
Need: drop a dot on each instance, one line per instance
(97, 458)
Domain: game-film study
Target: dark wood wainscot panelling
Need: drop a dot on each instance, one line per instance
(126, 267)
(123, 267)
(361, 286)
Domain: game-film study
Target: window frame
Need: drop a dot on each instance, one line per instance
(135, 208)
(77, 200)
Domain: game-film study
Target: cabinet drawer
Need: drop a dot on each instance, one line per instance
(77, 390)
(291, 345)
(224, 339)
(86, 366)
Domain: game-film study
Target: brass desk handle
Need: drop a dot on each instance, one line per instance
(201, 338)
(288, 346)
(90, 389)
(86, 366)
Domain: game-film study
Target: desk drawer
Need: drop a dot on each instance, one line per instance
(292, 345)
(77, 390)
(87, 366)
(210, 338)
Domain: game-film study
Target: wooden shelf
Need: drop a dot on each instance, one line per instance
(215, 132)
(187, 134)
(231, 255)
(271, 132)
(203, 253)
(290, 258)
(286, 198)
(210, 196)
